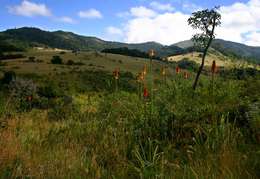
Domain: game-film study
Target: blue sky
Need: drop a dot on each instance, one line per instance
(164, 21)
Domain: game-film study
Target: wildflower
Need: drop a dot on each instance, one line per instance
(214, 67)
(116, 74)
(140, 77)
(178, 70)
(163, 71)
(145, 70)
(29, 98)
(146, 94)
(186, 75)
(151, 53)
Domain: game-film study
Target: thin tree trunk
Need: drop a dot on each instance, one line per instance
(204, 56)
(201, 66)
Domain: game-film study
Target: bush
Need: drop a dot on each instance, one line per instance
(23, 92)
(185, 63)
(50, 90)
(62, 109)
(31, 59)
(11, 56)
(56, 60)
(8, 77)
(70, 62)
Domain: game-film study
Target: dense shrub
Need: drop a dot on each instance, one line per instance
(71, 62)
(50, 90)
(185, 63)
(56, 60)
(23, 92)
(9, 76)
(63, 108)
(31, 59)
(11, 56)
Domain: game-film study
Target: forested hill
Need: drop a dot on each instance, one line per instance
(30, 37)
(26, 37)
(229, 48)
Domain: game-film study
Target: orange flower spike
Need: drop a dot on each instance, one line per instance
(140, 77)
(178, 70)
(146, 94)
(116, 74)
(151, 53)
(186, 75)
(145, 70)
(214, 67)
(29, 98)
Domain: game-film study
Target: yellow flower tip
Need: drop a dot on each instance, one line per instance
(163, 71)
(152, 53)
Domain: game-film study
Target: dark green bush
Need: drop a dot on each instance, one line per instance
(185, 63)
(23, 93)
(50, 90)
(9, 76)
(62, 109)
(70, 62)
(56, 60)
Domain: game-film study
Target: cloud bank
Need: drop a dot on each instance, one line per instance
(240, 23)
(30, 9)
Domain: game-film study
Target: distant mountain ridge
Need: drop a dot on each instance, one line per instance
(30, 37)
(26, 37)
(228, 48)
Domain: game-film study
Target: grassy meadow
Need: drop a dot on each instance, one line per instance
(77, 120)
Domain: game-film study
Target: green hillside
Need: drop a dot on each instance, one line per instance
(31, 37)
(228, 48)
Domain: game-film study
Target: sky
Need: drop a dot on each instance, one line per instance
(133, 21)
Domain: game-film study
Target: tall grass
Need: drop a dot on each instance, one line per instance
(114, 135)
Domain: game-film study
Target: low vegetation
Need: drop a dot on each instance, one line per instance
(86, 121)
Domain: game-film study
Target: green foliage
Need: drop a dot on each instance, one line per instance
(62, 109)
(71, 62)
(185, 63)
(56, 60)
(126, 51)
(11, 56)
(80, 127)
(9, 76)
(50, 90)
(21, 90)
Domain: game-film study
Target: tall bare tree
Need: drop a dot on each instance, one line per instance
(206, 21)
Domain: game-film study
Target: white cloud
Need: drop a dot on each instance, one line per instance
(66, 19)
(30, 9)
(240, 23)
(253, 39)
(90, 14)
(239, 19)
(165, 28)
(142, 11)
(162, 7)
(114, 31)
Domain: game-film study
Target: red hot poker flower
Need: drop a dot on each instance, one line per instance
(151, 53)
(116, 74)
(214, 67)
(146, 94)
(178, 70)
(186, 75)
(29, 98)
